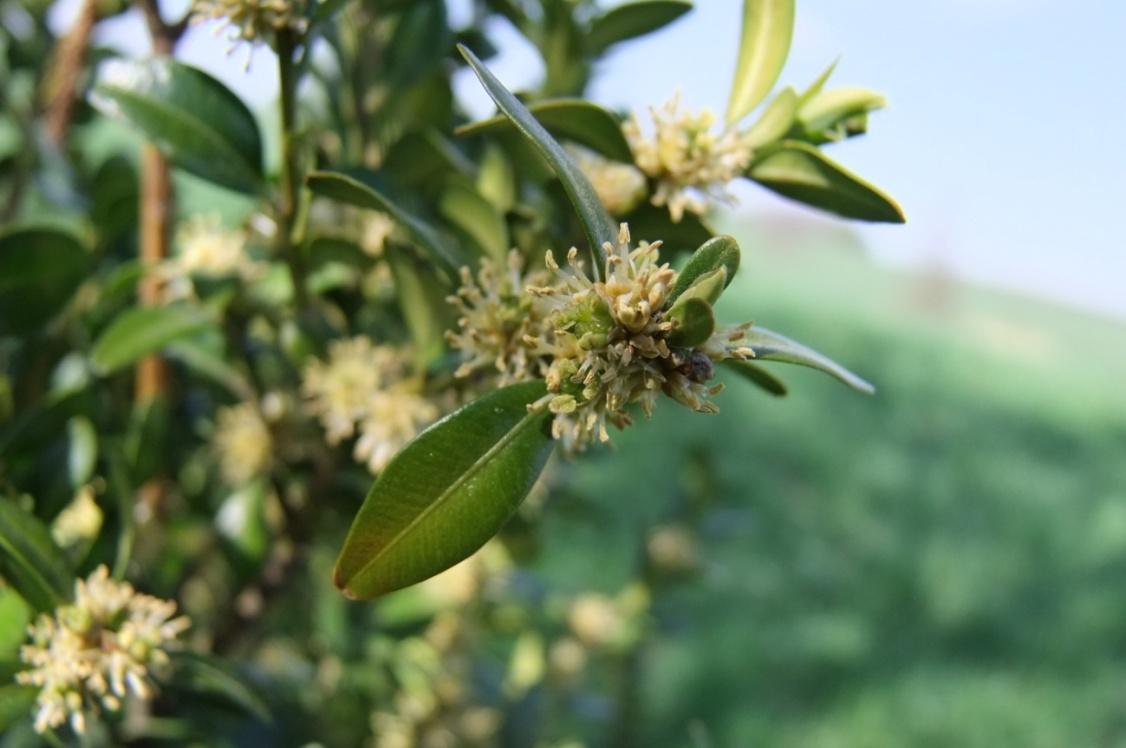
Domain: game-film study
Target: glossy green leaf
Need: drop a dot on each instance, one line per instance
(196, 121)
(422, 299)
(205, 675)
(568, 119)
(776, 119)
(770, 346)
(717, 252)
(801, 172)
(708, 287)
(838, 113)
(596, 222)
(476, 217)
(756, 375)
(347, 189)
(768, 27)
(446, 493)
(30, 561)
(631, 20)
(140, 331)
(40, 268)
(694, 322)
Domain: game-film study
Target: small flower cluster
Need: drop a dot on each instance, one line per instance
(620, 187)
(96, 651)
(690, 164)
(242, 443)
(251, 20)
(600, 345)
(367, 389)
(206, 249)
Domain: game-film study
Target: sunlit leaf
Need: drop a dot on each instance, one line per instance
(196, 121)
(768, 27)
(801, 172)
(770, 346)
(139, 331)
(446, 493)
(717, 252)
(776, 119)
(476, 217)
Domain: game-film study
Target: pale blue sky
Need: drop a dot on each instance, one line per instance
(1001, 141)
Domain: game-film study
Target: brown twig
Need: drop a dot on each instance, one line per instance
(66, 68)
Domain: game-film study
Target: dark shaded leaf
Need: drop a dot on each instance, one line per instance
(801, 172)
(40, 269)
(651, 223)
(352, 191)
(422, 298)
(196, 121)
(208, 676)
(695, 322)
(568, 119)
(757, 375)
(631, 20)
(597, 225)
(30, 561)
(446, 493)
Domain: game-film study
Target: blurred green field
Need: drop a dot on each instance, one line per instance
(941, 565)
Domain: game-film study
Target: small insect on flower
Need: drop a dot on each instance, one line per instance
(93, 653)
(691, 165)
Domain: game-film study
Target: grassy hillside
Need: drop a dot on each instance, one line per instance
(941, 564)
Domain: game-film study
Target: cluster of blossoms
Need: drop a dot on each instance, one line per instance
(368, 390)
(620, 187)
(600, 345)
(206, 249)
(251, 20)
(242, 443)
(94, 652)
(688, 162)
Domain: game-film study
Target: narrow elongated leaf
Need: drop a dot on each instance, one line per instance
(756, 375)
(422, 299)
(139, 331)
(196, 121)
(631, 20)
(768, 27)
(818, 85)
(40, 268)
(476, 217)
(801, 172)
(446, 493)
(771, 346)
(829, 108)
(203, 675)
(717, 252)
(776, 120)
(346, 189)
(570, 119)
(596, 221)
(30, 561)
(82, 450)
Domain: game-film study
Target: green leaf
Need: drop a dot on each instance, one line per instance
(82, 450)
(210, 363)
(801, 172)
(422, 299)
(756, 375)
(352, 191)
(651, 223)
(818, 84)
(476, 217)
(770, 346)
(830, 115)
(776, 120)
(139, 331)
(30, 561)
(768, 27)
(717, 252)
(568, 119)
(695, 322)
(205, 675)
(446, 493)
(596, 221)
(496, 180)
(708, 287)
(196, 121)
(16, 703)
(40, 269)
(632, 20)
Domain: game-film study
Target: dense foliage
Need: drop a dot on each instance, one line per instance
(204, 368)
